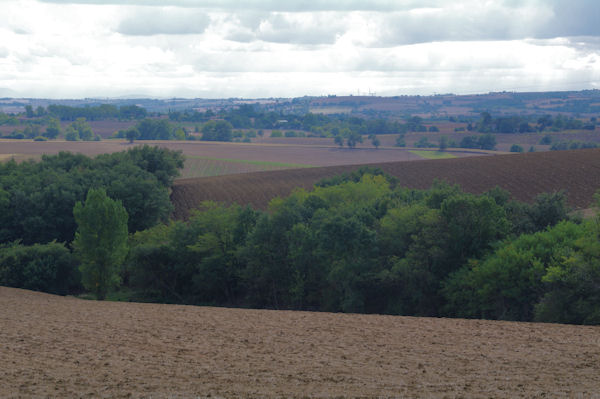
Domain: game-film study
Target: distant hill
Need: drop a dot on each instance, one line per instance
(584, 103)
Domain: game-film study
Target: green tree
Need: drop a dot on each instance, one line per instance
(443, 143)
(339, 140)
(83, 129)
(131, 134)
(217, 131)
(52, 129)
(353, 139)
(375, 141)
(100, 241)
(71, 134)
(29, 111)
(516, 148)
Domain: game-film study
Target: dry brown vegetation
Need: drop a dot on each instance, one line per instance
(66, 347)
(523, 175)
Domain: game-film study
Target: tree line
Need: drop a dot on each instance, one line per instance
(355, 243)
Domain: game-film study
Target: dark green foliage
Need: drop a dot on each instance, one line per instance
(100, 112)
(80, 130)
(155, 129)
(546, 140)
(423, 142)
(353, 139)
(571, 145)
(357, 243)
(547, 210)
(509, 283)
(38, 197)
(100, 241)
(444, 142)
(131, 134)
(52, 129)
(193, 262)
(217, 131)
(41, 267)
(356, 176)
(516, 148)
(484, 142)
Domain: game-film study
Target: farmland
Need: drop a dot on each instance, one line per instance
(214, 158)
(66, 347)
(523, 175)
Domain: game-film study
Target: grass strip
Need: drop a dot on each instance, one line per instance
(433, 154)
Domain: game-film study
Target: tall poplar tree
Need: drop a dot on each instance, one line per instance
(100, 241)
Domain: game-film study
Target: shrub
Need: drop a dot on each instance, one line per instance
(424, 143)
(41, 267)
(516, 148)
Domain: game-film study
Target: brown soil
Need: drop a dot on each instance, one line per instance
(65, 347)
(296, 151)
(523, 175)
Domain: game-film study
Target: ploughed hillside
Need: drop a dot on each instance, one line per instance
(525, 176)
(54, 346)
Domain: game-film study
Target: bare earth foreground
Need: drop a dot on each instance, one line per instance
(65, 347)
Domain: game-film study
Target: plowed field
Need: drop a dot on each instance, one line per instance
(65, 347)
(216, 158)
(523, 175)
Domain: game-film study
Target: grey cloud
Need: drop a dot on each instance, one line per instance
(164, 21)
(505, 21)
(280, 28)
(498, 23)
(268, 5)
(573, 18)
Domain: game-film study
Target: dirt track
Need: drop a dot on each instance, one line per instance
(64, 347)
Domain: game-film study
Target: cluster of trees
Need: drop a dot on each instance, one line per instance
(483, 142)
(153, 129)
(37, 198)
(79, 129)
(528, 124)
(572, 145)
(250, 116)
(91, 113)
(356, 243)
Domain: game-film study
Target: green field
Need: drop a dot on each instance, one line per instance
(197, 166)
(433, 154)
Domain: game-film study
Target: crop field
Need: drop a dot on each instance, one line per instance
(196, 166)
(54, 346)
(214, 158)
(523, 175)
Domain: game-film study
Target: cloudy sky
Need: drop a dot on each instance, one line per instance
(288, 48)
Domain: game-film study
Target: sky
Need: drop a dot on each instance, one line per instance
(293, 48)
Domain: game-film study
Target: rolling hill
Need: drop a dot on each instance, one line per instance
(523, 175)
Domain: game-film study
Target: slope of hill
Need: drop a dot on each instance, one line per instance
(523, 175)
(65, 347)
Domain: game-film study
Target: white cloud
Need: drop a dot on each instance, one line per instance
(216, 49)
(145, 21)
